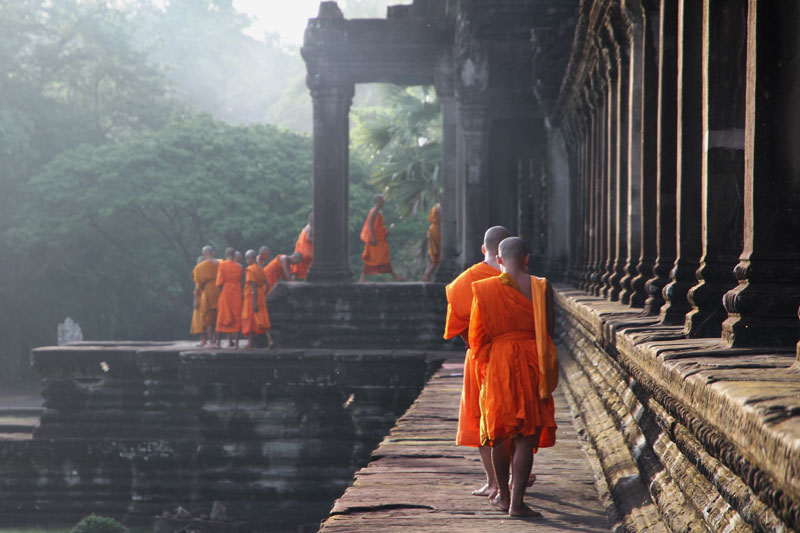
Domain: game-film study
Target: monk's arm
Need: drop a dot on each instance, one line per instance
(254, 292)
(310, 234)
(551, 318)
(285, 267)
(370, 222)
(478, 338)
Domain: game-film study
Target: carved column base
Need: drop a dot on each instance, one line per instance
(676, 304)
(707, 314)
(615, 282)
(761, 314)
(655, 287)
(644, 271)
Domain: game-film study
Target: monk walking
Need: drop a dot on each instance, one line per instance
(459, 304)
(305, 247)
(255, 318)
(377, 255)
(280, 268)
(510, 332)
(206, 294)
(434, 241)
(229, 307)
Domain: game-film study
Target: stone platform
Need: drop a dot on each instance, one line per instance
(133, 429)
(419, 480)
(708, 436)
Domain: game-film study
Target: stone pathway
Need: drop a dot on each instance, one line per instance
(419, 480)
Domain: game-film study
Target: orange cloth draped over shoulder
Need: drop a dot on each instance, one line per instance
(205, 278)
(274, 272)
(377, 257)
(504, 334)
(229, 306)
(255, 322)
(435, 234)
(306, 248)
(459, 305)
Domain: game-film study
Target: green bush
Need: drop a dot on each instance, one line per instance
(99, 524)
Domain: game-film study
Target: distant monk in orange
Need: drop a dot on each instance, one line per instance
(255, 318)
(280, 268)
(377, 255)
(305, 247)
(197, 319)
(459, 305)
(511, 333)
(263, 256)
(434, 241)
(229, 307)
(206, 294)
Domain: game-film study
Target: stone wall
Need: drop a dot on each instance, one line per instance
(690, 433)
(131, 430)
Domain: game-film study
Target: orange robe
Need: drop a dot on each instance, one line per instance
(205, 277)
(255, 322)
(504, 331)
(229, 306)
(435, 235)
(377, 257)
(274, 272)
(306, 249)
(459, 304)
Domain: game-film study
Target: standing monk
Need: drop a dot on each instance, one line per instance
(280, 268)
(197, 319)
(255, 318)
(434, 241)
(229, 308)
(263, 256)
(511, 333)
(206, 293)
(459, 304)
(305, 247)
(377, 255)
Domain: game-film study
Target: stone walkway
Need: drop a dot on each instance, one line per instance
(419, 480)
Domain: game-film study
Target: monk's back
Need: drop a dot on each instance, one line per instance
(507, 311)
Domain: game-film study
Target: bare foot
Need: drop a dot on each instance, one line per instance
(523, 511)
(486, 490)
(500, 502)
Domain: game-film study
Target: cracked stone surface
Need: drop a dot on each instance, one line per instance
(419, 480)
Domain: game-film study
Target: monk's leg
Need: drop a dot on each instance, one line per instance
(236, 344)
(501, 460)
(269, 341)
(521, 469)
(218, 342)
(490, 488)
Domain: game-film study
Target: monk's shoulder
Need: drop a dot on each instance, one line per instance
(482, 287)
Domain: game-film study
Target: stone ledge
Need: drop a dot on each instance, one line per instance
(741, 407)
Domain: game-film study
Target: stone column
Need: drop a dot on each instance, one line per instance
(593, 178)
(648, 168)
(331, 179)
(621, 171)
(474, 167)
(724, 80)
(610, 166)
(689, 158)
(602, 188)
(631, 10)
(448, 268)
(588, 192)
(667, 155)
(762, 309)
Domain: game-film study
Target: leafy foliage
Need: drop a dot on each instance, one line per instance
(98, 524)
(403, 146)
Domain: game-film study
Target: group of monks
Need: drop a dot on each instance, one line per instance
(505, 316)
(231, 299)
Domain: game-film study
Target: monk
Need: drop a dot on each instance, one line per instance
(255, 318)
(263, 256)
(377, 255)
(280, 268)
(305, 247)
(434, 241)
(206, 294)
(238, 257)
(511, 333)
(229, 308)
(459, 304)
(197, 319)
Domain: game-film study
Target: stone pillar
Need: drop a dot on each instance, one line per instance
(610, 166)
(724, 80)
(593, 188)
(762, 309)
(474, 173)
(689, 158)
(648, 168)
(448, 268)
(667, 155)
(602, 188)
(631, 10)
(331, 180)
(588, 193)
(621, 171)
(559, 212)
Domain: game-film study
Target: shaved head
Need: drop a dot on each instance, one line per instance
(238, 255)
(378, 199)
(512, 250)
(230, 253)
(250, 255)
(263, 249)
(492, 238)
(295, 258)
(208, 251)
